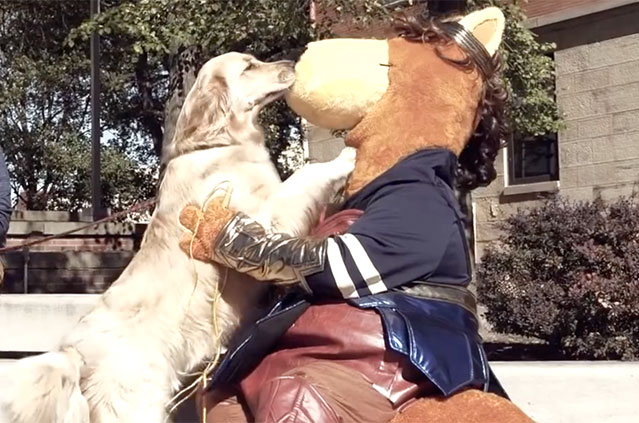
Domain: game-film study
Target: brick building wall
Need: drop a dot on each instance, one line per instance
(598, 92)
(87, 261)
(534, 8)
(597, 83)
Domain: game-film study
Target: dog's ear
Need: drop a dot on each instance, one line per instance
(205, 108)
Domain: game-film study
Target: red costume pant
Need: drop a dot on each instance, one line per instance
(330, 366)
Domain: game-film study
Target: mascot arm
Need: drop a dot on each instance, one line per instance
(401, 237)
(244, 245)
(235, 240)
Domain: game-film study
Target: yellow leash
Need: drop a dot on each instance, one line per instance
(204, 375)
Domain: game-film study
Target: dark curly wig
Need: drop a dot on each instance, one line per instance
(476, 166)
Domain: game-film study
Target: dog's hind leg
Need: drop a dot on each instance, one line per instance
(43, 389)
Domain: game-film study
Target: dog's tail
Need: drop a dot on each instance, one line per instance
(43, 389)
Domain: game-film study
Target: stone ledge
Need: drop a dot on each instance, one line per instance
(25, 228)
(49, 216)
(37, 322)
(69, 260)
(550, 186)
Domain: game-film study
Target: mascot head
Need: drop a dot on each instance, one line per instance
(437, 84)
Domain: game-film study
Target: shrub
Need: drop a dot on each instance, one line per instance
(568, 273)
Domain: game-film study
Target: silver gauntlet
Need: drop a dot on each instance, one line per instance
(244, 245)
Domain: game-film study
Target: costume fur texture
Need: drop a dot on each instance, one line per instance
(469, 406)
(125, 359)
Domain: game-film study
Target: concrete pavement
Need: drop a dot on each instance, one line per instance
(573, 391)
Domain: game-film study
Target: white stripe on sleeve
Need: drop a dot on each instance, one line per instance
(338, 268)
(364, 264)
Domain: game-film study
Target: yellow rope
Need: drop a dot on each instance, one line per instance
(216, 330)
(192, 388)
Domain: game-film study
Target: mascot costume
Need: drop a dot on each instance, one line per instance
(377, 324)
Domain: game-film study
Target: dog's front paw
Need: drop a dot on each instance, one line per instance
(345, 162)
(348, 155)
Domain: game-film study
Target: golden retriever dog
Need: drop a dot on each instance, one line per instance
(125, 360)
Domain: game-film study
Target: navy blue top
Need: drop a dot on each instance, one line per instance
(411, 230)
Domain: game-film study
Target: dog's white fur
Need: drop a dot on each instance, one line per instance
(122, 362)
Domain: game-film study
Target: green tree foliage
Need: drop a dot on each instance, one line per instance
(44, 80)
(44, 114)
(155, 30)
(143, 39)
(529, 71)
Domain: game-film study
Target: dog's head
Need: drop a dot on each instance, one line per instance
(223, 104)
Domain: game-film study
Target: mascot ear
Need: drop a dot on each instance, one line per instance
(487, 25)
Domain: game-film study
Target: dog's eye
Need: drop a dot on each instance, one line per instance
(250, 66)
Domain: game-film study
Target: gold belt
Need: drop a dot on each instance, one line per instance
(459, 295)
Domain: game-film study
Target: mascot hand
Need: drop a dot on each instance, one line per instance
(203, 228)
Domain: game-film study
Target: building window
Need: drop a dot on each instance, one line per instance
(533, 159)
